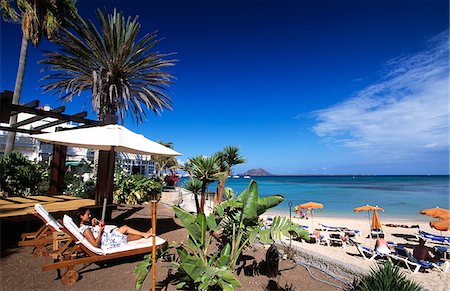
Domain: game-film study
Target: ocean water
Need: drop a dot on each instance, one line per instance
(399, 196)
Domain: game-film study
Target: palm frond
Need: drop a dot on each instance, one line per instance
(121, 72)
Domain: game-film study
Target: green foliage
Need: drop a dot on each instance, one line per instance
(22, 177)
(193, 185)
(123, 74)
(386, 277)
(235, 226)
(75, 186)
(135, 189)
(38, 17)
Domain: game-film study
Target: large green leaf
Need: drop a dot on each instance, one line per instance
(141, 271)
(268, 202)
(265, 236)
(249, 201)
(201, 220)
(224, 258)
(211, 222)
(189, 222)
(193, 270)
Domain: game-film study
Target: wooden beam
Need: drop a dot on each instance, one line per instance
(23, 130)
(57, 122)
(60, 116)
(37, 118)
(32, 105)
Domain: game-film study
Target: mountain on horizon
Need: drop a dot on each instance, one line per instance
(257, 172)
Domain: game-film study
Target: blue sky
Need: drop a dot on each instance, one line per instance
(302, 87)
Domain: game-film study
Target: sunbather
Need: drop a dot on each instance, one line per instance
(421, 252)
(381, 246)
(97, 236)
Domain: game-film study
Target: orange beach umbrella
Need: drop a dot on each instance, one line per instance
(376, 223)
(311, 205)
(442, 225)
(441, 213)
(436, 212)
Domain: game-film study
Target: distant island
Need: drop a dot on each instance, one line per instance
(256, 172)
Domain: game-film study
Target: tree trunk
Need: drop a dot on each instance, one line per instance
(197, 206)
(221, 185)
(17, 89)
(203, 200)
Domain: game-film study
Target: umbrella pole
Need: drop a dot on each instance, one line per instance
(154, 245)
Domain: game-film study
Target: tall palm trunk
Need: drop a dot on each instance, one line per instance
(197, 205)
(17, 90)
(203, 200)
(221, 185)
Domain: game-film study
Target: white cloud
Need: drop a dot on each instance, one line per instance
(404, 115)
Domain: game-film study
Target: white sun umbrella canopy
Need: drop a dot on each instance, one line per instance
(107, 137)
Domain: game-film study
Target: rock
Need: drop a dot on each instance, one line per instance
(257, 172)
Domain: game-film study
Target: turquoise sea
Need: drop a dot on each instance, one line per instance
(399, 196)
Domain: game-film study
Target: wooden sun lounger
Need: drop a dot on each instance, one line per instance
(50, 233)
(83, 252)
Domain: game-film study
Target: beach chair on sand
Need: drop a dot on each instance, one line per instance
(433, 237)
(336, 239)
(413, 264)
(366, 252)
(50, 233)
(83, 252)
(346, 230)
(376, 233)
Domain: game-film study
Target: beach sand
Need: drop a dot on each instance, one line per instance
(347, 262)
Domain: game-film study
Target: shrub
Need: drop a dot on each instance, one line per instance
(171, 180)
(135, 189)
(75, 186)
(386, 277)
(20, 176)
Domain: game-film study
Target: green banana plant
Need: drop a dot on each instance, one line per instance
(235, 225)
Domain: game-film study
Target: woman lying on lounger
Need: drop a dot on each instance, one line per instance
(97, 235)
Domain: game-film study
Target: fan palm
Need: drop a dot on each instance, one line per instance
(187, 167)
(41, 17)
(205, 169)
(119, 70)
(194, 186)
(229, 157)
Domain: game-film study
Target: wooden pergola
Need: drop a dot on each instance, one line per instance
(58, 167)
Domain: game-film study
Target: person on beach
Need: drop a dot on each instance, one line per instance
(381, 246)
(421, 252)
(98, 237)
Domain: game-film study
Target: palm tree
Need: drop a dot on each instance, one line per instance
(229, 157)
(119, 70)
(194, 186)
(205, 169)
(187, 167)
(38, 17)
(163, 163)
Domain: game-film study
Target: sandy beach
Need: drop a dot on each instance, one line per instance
(335, 258)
